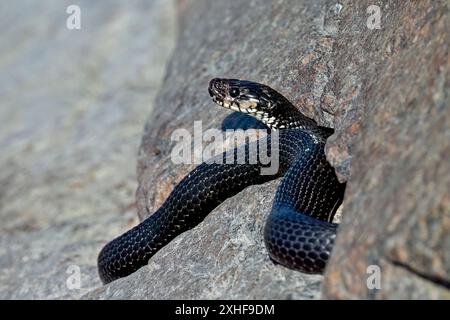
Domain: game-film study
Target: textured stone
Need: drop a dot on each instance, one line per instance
(73, 105)
(397, 208)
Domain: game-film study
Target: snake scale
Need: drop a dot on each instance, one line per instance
(299, 232)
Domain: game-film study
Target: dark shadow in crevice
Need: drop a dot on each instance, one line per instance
(431, 278)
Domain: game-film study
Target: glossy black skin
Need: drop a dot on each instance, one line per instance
(298, 233)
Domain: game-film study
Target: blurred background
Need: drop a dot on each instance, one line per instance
(73, 107)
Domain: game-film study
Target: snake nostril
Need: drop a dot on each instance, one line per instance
(213, 83)
(215, 87)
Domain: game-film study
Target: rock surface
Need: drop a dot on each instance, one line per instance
(385, 91)
(397, 208)
(72, 111)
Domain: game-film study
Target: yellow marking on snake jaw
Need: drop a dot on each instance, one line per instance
(248, 105)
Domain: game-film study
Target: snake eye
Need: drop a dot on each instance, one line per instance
(234, 92)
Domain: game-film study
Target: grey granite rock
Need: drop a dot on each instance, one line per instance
(73, 105)
(397, 208)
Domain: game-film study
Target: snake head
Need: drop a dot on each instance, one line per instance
(258, 100)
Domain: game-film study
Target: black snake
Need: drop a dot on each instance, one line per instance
(299, 233)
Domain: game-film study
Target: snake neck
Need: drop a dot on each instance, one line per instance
(290, 118)
(287, 116)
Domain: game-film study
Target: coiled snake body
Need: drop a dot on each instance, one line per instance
(299, 233)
